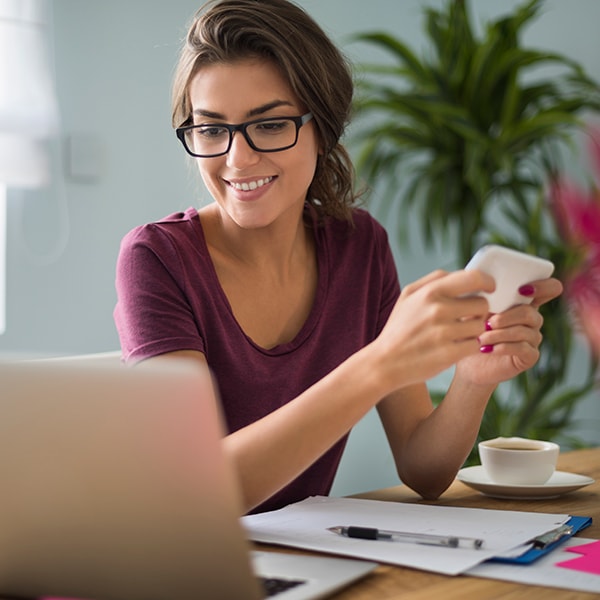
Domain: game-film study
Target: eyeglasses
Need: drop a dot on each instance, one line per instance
(263, 135)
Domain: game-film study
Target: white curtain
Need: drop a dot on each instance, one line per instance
(28, 111)
(2, 257)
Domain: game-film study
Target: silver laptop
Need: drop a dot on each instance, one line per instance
(114, 486)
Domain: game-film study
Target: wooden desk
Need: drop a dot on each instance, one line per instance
(398, 583)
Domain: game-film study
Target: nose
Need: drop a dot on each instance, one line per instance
(240, 154)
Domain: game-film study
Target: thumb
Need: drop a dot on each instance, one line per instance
(416, 285)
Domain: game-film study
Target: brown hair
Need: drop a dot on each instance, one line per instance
(280, 31)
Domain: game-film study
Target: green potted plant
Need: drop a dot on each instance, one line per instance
(471, 136)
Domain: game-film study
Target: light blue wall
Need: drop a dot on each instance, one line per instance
(113, 63)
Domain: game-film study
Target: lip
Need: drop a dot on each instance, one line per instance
(253, 187)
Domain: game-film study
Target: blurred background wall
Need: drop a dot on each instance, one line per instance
(117, 164)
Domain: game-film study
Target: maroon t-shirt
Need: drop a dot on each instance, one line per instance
(169, 298)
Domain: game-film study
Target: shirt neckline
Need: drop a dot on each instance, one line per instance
(320, 295)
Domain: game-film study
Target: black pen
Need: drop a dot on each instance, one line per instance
(370, 533)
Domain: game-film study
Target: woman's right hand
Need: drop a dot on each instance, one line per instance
(436, 321)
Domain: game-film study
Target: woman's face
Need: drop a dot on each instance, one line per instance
(253, 189)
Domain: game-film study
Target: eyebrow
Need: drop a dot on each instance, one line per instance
(251, 113)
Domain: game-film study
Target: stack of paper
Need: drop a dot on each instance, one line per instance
(305, 525)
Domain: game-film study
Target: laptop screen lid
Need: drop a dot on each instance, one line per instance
(114, 485)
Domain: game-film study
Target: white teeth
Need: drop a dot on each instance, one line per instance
(251, 185)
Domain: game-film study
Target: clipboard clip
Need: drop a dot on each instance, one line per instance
(552, 536)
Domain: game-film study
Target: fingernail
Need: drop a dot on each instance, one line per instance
(486, 349)
(527, 290)
(488, 327)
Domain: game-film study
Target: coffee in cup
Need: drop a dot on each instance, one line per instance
(518, 461)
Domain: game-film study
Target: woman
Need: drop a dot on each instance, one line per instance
(288, 291)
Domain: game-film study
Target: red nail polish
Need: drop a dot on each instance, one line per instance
(527, 290)
(486, 349)
(488, 327)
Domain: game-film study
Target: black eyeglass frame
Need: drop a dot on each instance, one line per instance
(242, 127)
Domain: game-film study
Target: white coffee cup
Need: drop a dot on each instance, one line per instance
(518, 461)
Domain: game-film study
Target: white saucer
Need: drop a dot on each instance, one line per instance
(560, 483)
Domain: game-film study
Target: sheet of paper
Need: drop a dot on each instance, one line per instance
(544, 571)
(304, 525)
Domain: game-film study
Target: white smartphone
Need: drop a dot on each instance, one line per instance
(510, 269)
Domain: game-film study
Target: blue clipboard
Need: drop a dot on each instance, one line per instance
(531, 555)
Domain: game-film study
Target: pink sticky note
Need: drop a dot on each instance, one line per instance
(588, 563)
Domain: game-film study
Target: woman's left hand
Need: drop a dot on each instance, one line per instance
(510, 344)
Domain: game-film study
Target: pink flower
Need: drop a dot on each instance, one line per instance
(583, 290)
(577, 215)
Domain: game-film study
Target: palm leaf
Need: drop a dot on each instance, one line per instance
(468, 134)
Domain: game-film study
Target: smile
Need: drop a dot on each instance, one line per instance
(247, 186)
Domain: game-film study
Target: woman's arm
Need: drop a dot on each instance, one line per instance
(431, 327)
(429, 446)
(274, 450)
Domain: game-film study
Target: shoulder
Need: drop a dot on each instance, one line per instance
(174, 228)
(363, 230)
(357, 250)
(365, 222)
(167, 244)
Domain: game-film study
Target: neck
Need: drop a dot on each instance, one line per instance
(275, 248)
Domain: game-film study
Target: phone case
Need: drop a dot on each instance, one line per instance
(510, 269)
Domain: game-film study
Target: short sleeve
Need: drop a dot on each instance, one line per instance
(153, 314)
